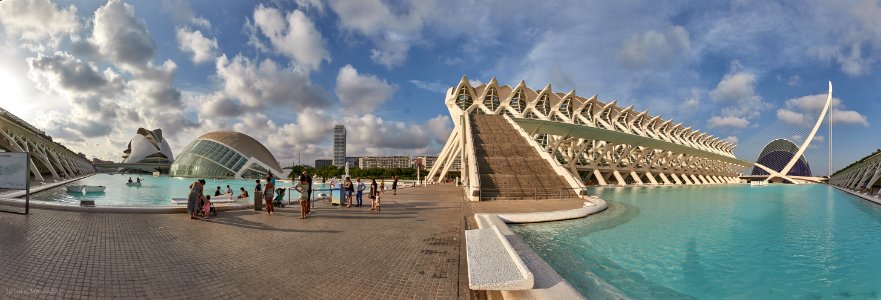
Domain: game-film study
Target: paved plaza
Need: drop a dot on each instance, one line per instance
(412, 250)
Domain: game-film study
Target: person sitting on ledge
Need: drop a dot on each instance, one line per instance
(244, 194)
(217, 192)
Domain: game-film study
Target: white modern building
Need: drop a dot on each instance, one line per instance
(585, 140)
(225, 154)
(148, 146)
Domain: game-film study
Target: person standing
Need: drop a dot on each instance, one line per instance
(374, 195)
(395, 185)
(348, 189)
(382, 184)
(268, 192)
(303, 187)
(305, 176)
(194, 198)
(258, 196)
(359, 194)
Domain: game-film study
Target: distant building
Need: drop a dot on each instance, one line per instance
(425, 161)
(385, 162)
(96, 161)
(339, 146)
(321, 163)
(354, 162)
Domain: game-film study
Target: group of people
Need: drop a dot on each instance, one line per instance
(130, 180)
(197, 201)
(353, 193)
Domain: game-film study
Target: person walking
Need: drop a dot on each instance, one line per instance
(382, 184)
(194, 198)
(359, 194)
(348, 190)
(395, 185)
(268, 192)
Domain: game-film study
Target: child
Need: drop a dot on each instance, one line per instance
(303, 188)
(206, 207)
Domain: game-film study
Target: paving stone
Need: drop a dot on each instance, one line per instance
(411, 250)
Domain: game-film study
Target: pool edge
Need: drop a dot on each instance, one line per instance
(548, 283)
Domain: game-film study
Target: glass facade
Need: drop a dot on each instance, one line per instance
(209, 159)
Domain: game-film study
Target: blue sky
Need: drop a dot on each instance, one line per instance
(91, 73)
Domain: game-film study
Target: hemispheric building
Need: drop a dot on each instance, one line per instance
(777, 154)
(225, 154)
(148, 146)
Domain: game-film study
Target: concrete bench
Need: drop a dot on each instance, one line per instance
(492, 262)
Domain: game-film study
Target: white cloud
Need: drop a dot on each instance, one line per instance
(440, 128)
(655, 48)
(74, 77)
(122, 38)
(812, 105)
(436, 87)
(294, 35)
(361, 94)
(192, 41)
(731, 139)
(267, 84)
(849, 117)
(792, 117)
(729, 121)
(734, 87)
(35, 21)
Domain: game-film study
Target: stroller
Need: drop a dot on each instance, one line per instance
(279, 198)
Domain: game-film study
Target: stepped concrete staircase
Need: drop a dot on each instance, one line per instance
(509, 167)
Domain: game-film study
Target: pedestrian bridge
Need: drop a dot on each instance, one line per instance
(49, 160)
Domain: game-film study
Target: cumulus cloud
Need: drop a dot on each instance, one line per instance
(440, 128)
(373, 135)
(361, 93)
(294, 35)
(35, 21)
(122, 38)
(796, 111)
(193, 42)
(265, 83)
(655, 48)
(74, 76)
(731, 139)
(729, 121)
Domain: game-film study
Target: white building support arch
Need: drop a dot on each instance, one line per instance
(590, 141)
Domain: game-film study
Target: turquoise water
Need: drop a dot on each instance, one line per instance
(154, 191)
(770, 242)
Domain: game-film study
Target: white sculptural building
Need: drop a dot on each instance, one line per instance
(148, 146)
(586, 140)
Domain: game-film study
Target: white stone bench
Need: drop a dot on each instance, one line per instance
(492, 262)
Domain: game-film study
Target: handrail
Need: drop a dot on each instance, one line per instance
(471, 159)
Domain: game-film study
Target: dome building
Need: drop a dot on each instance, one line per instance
(777, 154)
(225, 154)
(148, 146)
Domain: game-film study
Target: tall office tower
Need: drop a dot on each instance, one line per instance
(339, 146)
